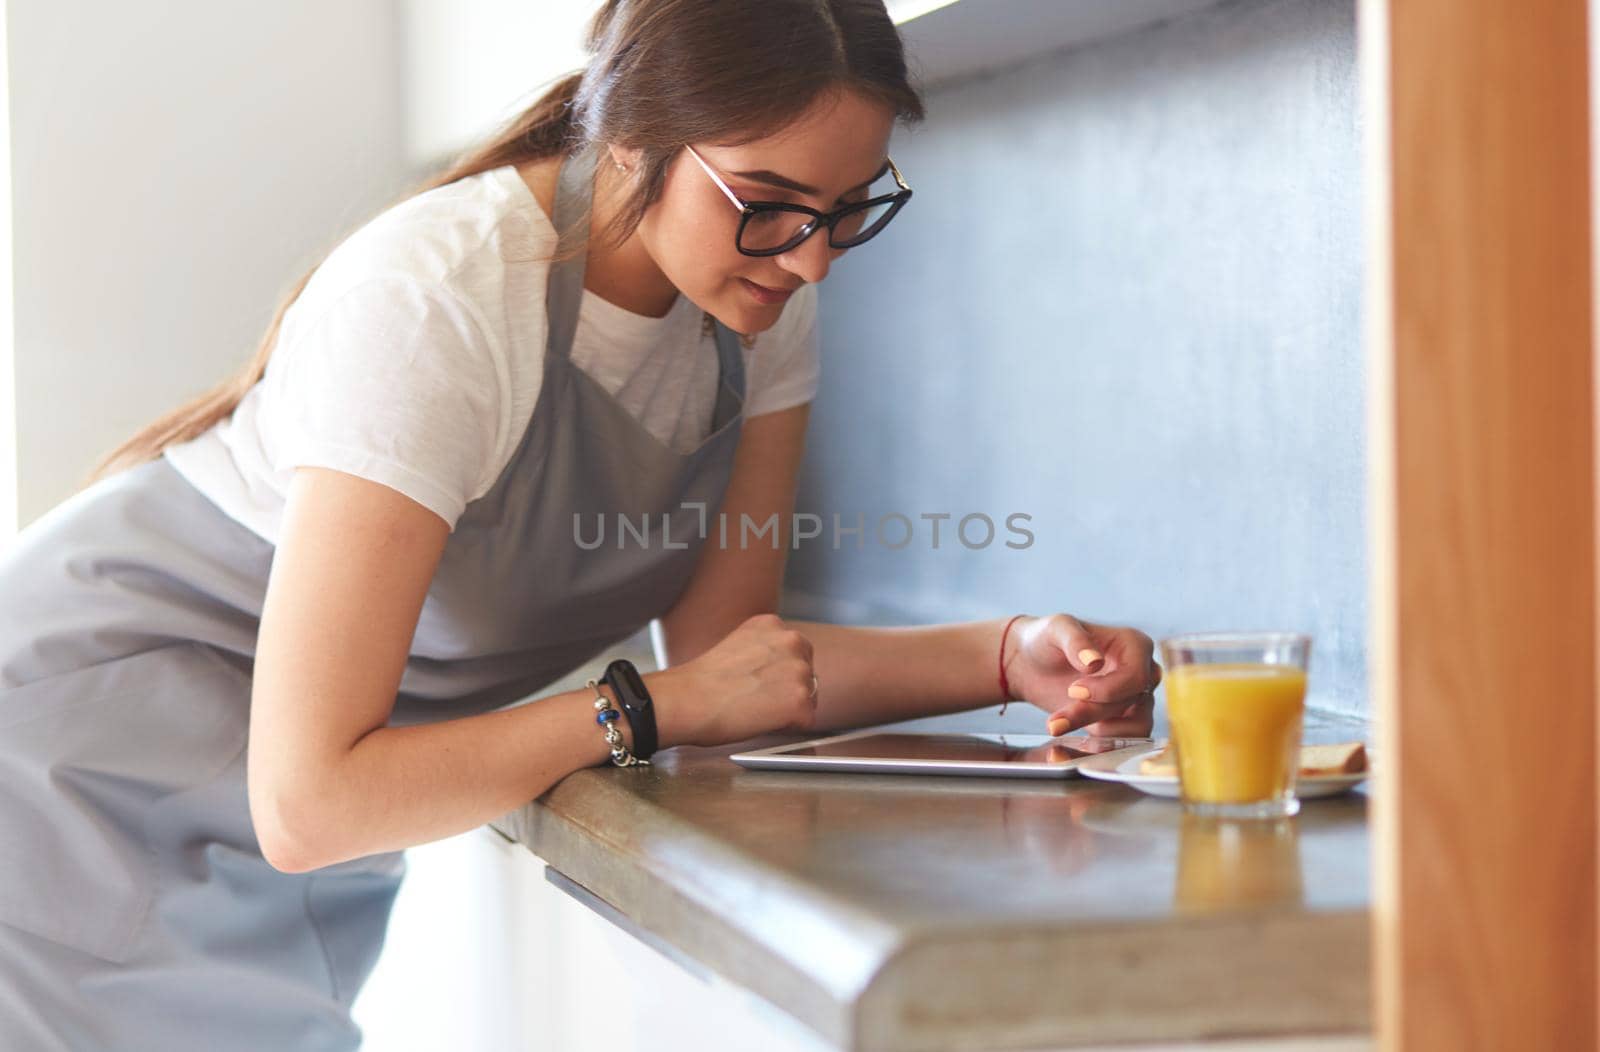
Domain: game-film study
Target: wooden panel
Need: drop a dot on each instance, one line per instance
(1484, 568)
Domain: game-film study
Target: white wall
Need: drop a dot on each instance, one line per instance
(8, 390)
(470, 64)
(175, 165)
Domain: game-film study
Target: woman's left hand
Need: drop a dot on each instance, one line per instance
(1099, 677)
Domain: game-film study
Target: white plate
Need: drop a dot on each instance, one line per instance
(1120, 767)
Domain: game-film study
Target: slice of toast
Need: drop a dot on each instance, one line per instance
(1343, 758)
(1315, 761)
(1161, 764)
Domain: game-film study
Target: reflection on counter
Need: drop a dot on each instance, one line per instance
(924, 839)
(923, 846)
(1231, 864)
(1315, 860)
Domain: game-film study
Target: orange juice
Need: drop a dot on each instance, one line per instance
(1236, 728)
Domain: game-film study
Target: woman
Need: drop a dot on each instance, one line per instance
(272, 643)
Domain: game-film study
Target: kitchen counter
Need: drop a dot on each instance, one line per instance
(891, 912)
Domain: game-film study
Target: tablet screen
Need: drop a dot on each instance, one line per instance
(988, 747)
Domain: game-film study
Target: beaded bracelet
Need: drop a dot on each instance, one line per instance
(606, 716)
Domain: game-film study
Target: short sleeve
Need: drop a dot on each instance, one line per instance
(786, 361)
(391, 380)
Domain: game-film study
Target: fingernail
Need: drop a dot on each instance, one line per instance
(1058, 727)
(1079, 691)
(1091, 658)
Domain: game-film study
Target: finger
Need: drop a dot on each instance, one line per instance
(1139, 708)
(1111, 686)
(1143, 645)
(1076, 642)
(1120, 728)
(1075, 714)
(803, 644)
(1141, 651)
(1070, 718)
(1136, 721)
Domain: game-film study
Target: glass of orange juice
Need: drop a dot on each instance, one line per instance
(1236, 701)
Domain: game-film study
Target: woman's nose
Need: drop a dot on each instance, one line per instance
(811, 258)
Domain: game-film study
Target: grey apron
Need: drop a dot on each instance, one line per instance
(136, 910)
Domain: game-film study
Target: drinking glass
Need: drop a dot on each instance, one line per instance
(1236, 703)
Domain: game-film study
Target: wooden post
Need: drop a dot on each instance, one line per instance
(1484, 648)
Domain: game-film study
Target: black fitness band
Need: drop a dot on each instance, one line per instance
(633, 698)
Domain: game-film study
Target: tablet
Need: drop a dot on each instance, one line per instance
(991, 755)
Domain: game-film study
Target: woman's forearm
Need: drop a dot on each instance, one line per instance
(872, 675)
(402, 786)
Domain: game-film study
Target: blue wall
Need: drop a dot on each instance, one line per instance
(1125, 301)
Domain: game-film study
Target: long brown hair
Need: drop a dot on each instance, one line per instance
(661, 73)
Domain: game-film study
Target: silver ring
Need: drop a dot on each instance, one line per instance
(813, 684)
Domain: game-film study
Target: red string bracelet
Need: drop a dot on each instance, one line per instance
(1005, 688)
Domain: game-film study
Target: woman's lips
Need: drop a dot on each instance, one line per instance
(763, 294)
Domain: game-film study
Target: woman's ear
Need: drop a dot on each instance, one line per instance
(624, 158)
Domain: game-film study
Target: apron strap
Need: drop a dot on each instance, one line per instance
(564, 291)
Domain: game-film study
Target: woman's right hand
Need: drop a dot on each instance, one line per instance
(756, 680)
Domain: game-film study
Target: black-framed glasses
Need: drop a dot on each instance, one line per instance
(770, 228)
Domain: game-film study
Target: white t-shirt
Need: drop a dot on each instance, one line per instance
(415, 355)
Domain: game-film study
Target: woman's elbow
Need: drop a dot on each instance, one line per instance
(285, 831)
